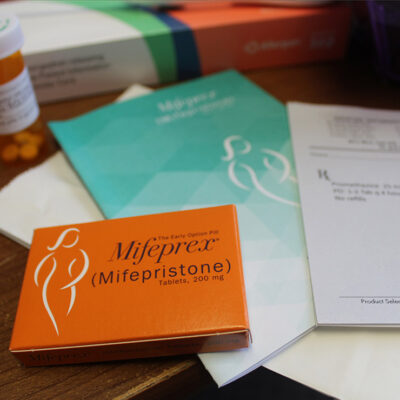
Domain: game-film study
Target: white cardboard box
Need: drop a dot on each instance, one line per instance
(91, 53)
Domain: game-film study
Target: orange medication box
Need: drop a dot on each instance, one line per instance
(134, 287)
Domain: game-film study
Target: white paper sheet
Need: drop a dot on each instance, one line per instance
(272, 329)
(348, 167)
(347, 363)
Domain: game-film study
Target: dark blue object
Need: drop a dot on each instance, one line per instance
(385, 21)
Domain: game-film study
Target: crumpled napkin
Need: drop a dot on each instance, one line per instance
(49, 194)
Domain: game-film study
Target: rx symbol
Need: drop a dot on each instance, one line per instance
(323, 174)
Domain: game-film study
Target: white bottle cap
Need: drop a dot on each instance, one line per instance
(11, 36)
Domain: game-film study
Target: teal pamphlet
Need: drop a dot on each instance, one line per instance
(211, 141)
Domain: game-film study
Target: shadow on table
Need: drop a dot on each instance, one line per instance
(260, 384)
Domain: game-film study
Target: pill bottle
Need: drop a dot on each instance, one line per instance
(22, 133)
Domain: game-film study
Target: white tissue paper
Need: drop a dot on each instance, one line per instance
(49, 194)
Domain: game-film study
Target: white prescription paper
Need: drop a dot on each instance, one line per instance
(348, 167)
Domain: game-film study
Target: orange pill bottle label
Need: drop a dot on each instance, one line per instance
(21, 129)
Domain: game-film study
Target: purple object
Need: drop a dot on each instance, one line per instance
(385, 21)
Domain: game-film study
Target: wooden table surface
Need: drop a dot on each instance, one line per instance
(350, 82)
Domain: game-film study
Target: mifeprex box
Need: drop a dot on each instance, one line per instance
(143, 286)
(88, 47)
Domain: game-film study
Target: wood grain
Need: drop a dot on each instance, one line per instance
(349, 82)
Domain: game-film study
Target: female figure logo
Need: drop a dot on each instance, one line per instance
(63, 242)
(244, 147)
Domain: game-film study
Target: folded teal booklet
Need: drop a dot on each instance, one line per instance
(211, 141)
